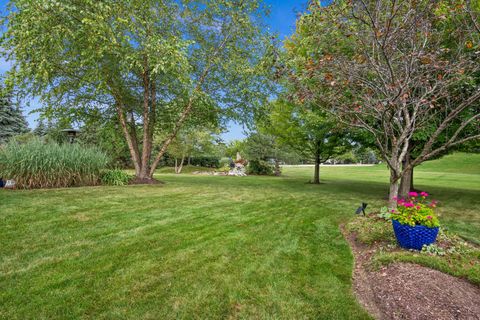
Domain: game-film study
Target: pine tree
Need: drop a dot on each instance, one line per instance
(41, 129)
(12, 121)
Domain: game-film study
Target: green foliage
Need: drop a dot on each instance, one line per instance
(195, 143)
(49, 165)
(105, 133)
(416, 211)
(262, 145)
(433, 249)
(347, 158)
(308, 130)
(12, 121)
(235, 146)
(225, 161)
(115, 177)
(158, 65)
(385, 214)
(205, 161)
(260, 167)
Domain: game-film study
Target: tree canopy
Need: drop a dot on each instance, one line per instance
(155, 64)
(398, 70)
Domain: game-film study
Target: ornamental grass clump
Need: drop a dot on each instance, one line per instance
(416, 210)
(50, 165)
(115, 177)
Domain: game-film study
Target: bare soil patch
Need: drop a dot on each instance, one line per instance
(410, 291)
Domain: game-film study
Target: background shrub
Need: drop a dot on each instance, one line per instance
(115, 177)
(35, 164)
(205, 161)
(224, 162)
(260, 167)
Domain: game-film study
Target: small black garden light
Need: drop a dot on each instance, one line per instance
(362, 208)
(72, 134)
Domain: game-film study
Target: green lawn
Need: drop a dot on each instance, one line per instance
(204, 246)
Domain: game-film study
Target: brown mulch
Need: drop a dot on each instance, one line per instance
(410, 291)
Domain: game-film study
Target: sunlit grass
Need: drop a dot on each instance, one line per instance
(201, 246)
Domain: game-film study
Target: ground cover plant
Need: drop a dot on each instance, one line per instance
(450, 253)
(206, 246)
(115, 177)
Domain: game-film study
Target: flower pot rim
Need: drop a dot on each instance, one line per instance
(417, 225)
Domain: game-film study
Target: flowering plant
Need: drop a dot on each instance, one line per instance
(416, 210)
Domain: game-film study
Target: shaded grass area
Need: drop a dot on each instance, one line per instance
(200, 246)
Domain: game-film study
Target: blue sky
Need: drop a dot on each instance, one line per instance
(281, 20)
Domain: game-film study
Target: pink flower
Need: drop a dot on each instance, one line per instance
(429, 217)
(413, 194)
(424, 194)
(395, 198)
(408, 205)
(418, 207)
(393, 211)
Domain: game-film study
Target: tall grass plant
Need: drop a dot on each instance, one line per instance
(36, 164)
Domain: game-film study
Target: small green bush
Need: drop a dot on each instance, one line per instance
(224, 162)
(115, 177)
(260, 167)
(35, 164)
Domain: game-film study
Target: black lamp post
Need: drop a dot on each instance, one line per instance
(72, 134)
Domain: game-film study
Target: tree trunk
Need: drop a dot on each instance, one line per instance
(128, 136)
(277, 172)
(147, 137)
(176, 165)
(316, 175)
(406, 184)
(181, 165)
(412, 188)
(394, 188)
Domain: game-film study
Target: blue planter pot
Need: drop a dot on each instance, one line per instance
(409, 237)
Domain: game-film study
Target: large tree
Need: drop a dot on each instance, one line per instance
(153, 63)
(12, 121)
(392, 74)
(453, 27)
(311, 132)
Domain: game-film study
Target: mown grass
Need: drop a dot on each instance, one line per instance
(200, 246)
(186, 169)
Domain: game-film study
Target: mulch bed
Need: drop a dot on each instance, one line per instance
(410, 291)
